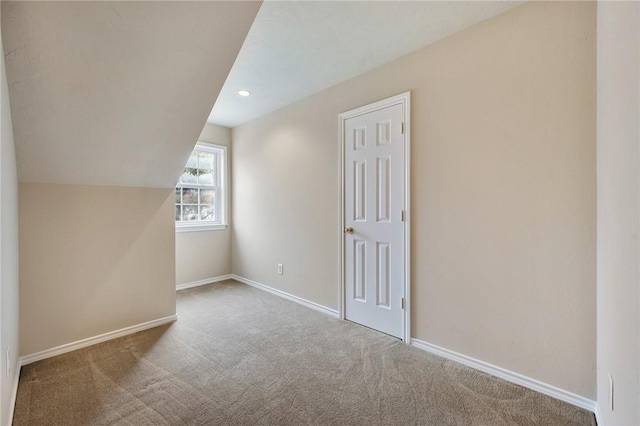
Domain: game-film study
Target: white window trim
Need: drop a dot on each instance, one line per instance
(222, 195)
(187, 227)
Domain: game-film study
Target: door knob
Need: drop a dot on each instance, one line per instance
(348, 230)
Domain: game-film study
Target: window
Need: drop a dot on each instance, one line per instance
(200, 193)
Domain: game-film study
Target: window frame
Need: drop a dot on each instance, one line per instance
(221, 204)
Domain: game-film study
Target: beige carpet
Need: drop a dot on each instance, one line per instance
(240, 356)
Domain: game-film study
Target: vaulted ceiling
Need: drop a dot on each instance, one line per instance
(297, 48)
(115, 93)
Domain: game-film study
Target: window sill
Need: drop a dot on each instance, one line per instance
(200, 227)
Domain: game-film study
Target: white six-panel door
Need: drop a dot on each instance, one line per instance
(374, 243)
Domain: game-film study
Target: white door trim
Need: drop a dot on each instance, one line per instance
(403, 99)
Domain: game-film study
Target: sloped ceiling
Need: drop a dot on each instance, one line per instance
(297, 48)
(115, 93)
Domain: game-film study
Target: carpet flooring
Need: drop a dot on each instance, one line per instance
(241, 356)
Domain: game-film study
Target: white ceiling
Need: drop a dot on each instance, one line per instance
(115, 93)
(297, 48)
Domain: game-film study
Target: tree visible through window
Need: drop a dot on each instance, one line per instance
(199, 196)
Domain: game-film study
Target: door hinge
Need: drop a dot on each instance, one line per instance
(402, 128)
(403, 304)
(403, 216)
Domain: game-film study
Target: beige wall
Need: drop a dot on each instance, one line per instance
(619, 211)
(503, 191)
(93, 259)
(8, 251)
(202, 255)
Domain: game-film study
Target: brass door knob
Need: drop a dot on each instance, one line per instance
(348, 230)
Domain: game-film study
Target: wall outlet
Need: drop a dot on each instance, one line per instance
(280, 269)
(610, 392)
(8, 359)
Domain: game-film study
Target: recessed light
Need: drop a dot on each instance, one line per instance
(244, 92)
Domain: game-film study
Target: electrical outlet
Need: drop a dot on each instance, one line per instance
(611, 392)
(280, 269)
(8, 362)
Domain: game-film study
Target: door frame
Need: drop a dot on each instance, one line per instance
(403, 99)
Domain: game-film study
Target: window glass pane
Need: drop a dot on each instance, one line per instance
(190, 175)
(178, 196)
(206, 160)
(189, 213)
(189, 196)
(178, 215)
(206, 212)
(205, 177)
(193, 161)
(207, 196)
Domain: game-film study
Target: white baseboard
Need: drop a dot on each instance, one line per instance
(507, 375)
(58, 350)
(203, 282)
(288, 296)
(14, 394)
(598, 415)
